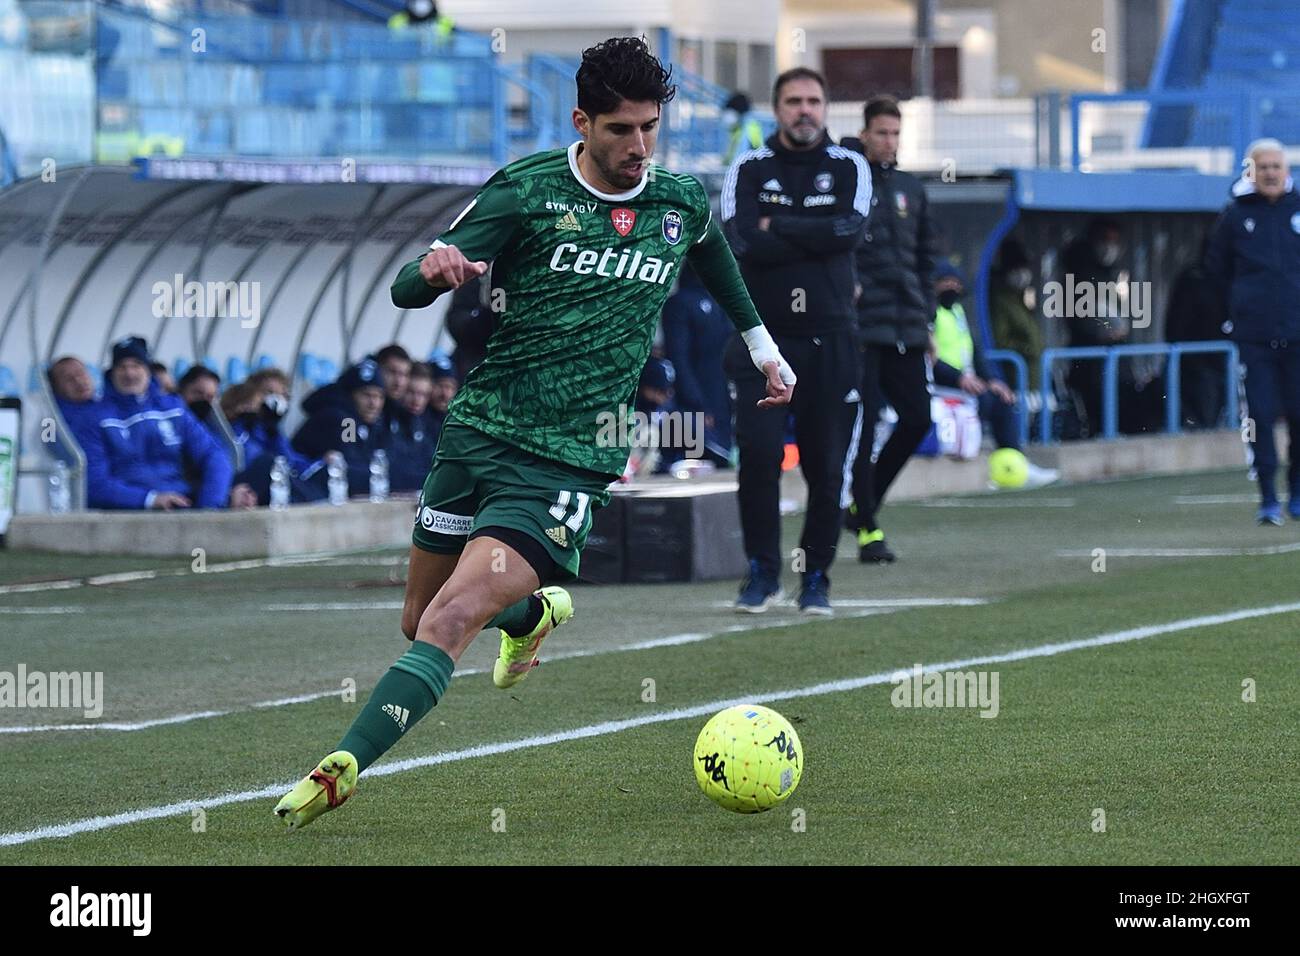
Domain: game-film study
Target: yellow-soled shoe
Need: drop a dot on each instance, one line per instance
(519, 654)
(325, 788)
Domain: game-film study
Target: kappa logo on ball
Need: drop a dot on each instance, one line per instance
(623, 219)
(673, 227)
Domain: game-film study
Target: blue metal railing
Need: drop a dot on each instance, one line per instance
(1110, 356)
(1017, 361)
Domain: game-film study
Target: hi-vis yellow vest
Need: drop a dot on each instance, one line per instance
(952, 339)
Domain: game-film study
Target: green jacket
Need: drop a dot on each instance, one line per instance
(1015, 328)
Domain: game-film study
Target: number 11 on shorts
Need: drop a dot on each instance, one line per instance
(561, 507)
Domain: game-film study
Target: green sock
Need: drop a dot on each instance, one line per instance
(519, 618)
(410, 689)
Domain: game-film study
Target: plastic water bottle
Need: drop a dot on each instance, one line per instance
(379, 476)
(338, 478)
(279, 483)
(60, 489)
(689, 468)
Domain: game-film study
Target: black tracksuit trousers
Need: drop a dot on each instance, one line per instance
(827, 412)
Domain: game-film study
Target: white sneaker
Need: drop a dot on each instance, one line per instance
(1038, 477)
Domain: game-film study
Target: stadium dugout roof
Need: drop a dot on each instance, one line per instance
(84, 259)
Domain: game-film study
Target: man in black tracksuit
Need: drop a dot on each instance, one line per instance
(794, 211)
(895, 314)
(1253, 260)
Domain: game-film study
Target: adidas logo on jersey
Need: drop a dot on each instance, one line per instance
(773, 184)
(568, 222)
(853, 396)
(399, 715)
(559, 536)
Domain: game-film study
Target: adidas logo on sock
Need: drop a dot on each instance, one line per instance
(399, 714)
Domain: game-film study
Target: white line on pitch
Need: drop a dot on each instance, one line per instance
(43, 610)
(605, 728)
(671, 640)
(1183, 552)
(325, 558)
(996, 503)
(1242, 499)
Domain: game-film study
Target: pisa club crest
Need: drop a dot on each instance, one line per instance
(623, 219)
(672, 227)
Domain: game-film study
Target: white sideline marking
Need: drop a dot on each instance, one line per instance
(887, 603)
(671, 640)
(325, 558)
(338, 606)
(605, 728)
(1184, 552)
(995, 503)
(1216, 499)
(71, 609)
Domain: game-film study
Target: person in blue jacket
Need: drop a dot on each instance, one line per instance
(696, 332)
(1253, 260)
(144, 448)
(352, 425)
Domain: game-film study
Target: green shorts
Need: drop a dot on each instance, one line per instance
(478, 482)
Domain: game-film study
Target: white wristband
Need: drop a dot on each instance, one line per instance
(763, 350)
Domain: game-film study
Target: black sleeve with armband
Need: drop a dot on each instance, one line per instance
(713, 262)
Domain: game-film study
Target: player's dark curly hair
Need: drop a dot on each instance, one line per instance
(622, 68)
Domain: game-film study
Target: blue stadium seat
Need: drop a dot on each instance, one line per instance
(8, 382)
(236, 370)
(180, 367)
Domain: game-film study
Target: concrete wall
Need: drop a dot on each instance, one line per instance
(359, 525)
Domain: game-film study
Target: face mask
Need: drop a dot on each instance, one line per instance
(1019, 278)
(948, 298)
(201, 410)
(1108, 254)
(274, 406)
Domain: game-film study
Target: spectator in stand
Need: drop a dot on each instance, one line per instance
(163, 377)
(413, 445)
(470, 321)
(395, 363)
(145, 449)
(254, 409)
(1014, 326)
(696, 332)
(445, 386)
(71, 381)
(354, 426)
(959, 362)
(1093, 259)
(1196, 314)
(74, 393)
(198, 389)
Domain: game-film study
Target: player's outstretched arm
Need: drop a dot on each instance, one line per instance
(463, 251)
(712, 260)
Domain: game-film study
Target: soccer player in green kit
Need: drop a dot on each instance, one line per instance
(585, 244)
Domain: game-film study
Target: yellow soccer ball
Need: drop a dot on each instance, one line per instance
(748, 759)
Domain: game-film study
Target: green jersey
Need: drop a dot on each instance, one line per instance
(579, 278)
